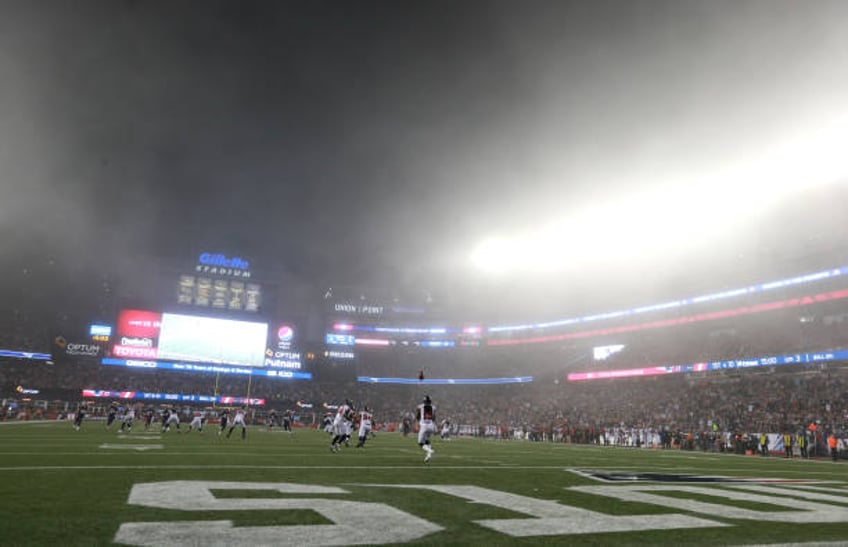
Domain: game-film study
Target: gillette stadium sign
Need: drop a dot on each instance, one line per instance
(216, 263)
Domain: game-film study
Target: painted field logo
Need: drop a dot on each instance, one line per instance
(797, 504)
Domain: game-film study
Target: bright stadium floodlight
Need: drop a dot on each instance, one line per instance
(494, 255)
(669, 218)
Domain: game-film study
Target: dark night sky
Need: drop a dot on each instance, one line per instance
(377, 142)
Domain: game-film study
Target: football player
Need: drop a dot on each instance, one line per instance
(197, 421)
(238, 420)
(149, 413)
(273, 420)
(339, 427)
(111, 414)
(445, 433)
(287, 421)
(172, 419)
(82, 408)
(225, 417)
(426, 414)
(127, 419)
(365, 420)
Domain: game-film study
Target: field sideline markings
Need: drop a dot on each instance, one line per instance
(141, 447)
(411, 466)
(236, 454)
(231, 454)
(803, 544)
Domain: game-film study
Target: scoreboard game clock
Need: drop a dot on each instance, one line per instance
(220, 283)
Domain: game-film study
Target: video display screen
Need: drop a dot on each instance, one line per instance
(150, 335)
(601, 353)
(211, 340)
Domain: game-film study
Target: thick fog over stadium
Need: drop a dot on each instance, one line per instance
(385, 144)
(487, 271)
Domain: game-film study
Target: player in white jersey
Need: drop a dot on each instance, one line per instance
(173, 419)
(445, 432)
(341, 425)
(197, 422)
(426, 414)
(127, 419)
(238, 420)
(365, 420)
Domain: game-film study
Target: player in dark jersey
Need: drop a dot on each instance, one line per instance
(111, 414)
(165, 415)
(82, 408)
(406, 423)
(225, 417)
(287, 421)
(149, 413)
(350, 418)
(273, 420)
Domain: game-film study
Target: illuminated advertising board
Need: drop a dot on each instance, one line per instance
(601, 353)
(333, 339)
(137, 334)
(209, 369)
(100, 330)
(281, 351)
(212, 340)
(147, 335)
(178, 397)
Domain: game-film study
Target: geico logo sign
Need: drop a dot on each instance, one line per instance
(136, 342)
(543, 517)
(89, 350)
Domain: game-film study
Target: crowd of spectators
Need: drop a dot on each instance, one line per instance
(749, 401)
(774, 400)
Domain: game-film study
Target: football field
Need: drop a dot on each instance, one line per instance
(98, 487)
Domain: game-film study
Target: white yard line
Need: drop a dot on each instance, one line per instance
(412, 466)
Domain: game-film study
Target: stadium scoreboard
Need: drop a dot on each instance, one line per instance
(191, 343)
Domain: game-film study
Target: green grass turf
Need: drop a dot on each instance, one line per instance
(60, 486)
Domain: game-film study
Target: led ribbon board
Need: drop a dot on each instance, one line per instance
(446, 381)
(179, 397)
